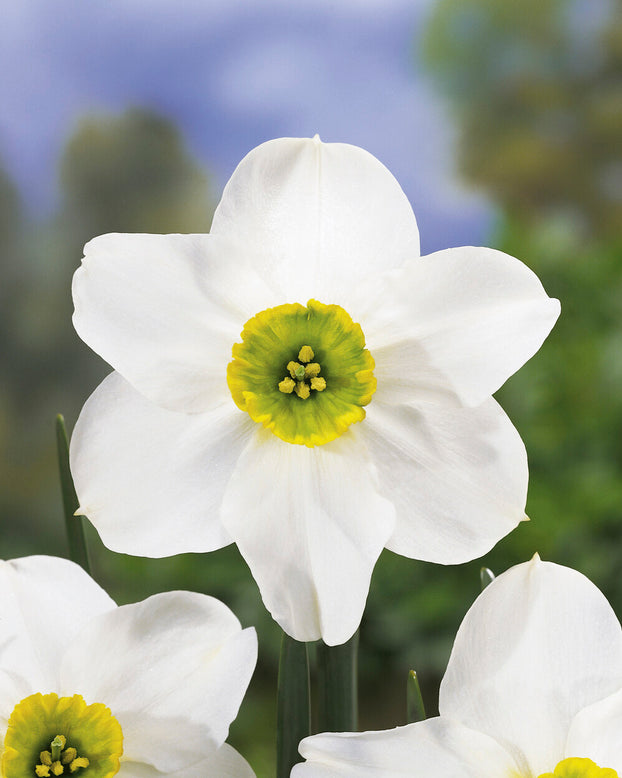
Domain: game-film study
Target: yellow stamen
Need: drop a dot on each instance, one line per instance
(42, 771)
(81, 761)
(306, 354)
(312, 369)
(287, 386)
(319, 384)
(69, 754)
(57, 768)
(45, 757)
(302, 390)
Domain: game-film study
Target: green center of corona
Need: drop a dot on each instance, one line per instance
(580, 768)
(303, 372)
(48, 735)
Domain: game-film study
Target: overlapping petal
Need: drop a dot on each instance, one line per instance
(431, 748)
(464, 319)
(311, 525)
(535, 648)
(596, 731)
(457, 477)
(164, 310)
(44, 602)
(152, 480)
(223, 763)
(173, 668)
(326, 215)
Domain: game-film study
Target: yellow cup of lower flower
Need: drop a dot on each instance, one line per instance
(48, 735)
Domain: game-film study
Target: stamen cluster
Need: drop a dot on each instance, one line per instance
(304, 375)
(54, 761)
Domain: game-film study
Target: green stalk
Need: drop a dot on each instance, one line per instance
(415, 709)
(337, 668)
(78, 551)
(293, 718)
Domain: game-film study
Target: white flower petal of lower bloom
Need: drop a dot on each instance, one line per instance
(538, 645)
(472, 316)
(436, 747)
(164, 310)
(224, 762)
(457, 476)
(173, 669)
(311, 524)
(596, 733)
(327, 212)
(149, 479)
(31, 607)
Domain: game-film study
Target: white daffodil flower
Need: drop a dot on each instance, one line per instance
(302, 383)
(88, 688)
(533, 689)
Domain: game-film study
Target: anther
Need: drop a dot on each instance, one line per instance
(42, 770)
(312, 369)
(81, 761)
(319, 384)
(287, 386)
(306, 354)
(57, 768)
(69, 754)
(45, 757)
(302, 390)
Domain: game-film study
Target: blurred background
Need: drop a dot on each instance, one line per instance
(503, 123)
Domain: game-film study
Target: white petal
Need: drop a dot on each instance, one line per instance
(463, 320)
(595, 733)
(165, 310)
(311, 525)
(325, 215)
(152, 480)
(539, 644)
(44, 602)
(225, 762)
(457, 476)
(436, 747)
(173, 670)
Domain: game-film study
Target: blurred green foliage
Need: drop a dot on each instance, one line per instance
(536, 92)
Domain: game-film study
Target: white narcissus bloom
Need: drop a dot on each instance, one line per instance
(146, 690)
(533, 689)
(302, 383)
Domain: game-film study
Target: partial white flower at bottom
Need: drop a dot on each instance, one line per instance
(91, 689)
(533, 689)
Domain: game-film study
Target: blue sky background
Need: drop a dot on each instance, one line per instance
(232, 74)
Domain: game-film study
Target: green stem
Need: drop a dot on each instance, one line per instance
(78, 551)
(293, 704)
(337, 668)
(415, 709)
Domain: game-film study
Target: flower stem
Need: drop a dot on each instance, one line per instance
(78, 551)
(293, 704)
(337, 686)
